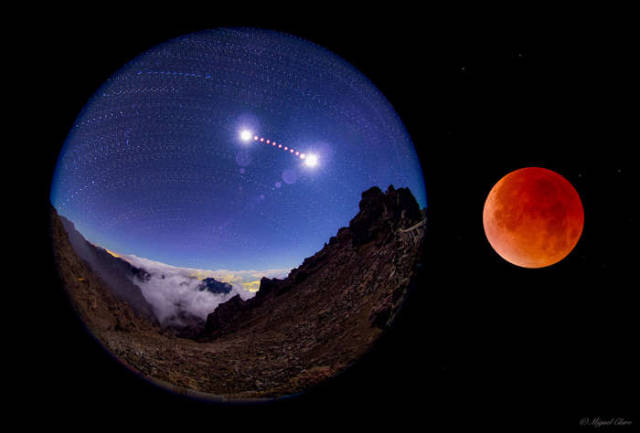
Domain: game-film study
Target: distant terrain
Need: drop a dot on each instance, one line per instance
(292, 334)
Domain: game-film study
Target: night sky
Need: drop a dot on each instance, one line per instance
(155, 165)
(480, 343)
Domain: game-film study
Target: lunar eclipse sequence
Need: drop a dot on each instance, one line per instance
(222, 170)
(213, 176)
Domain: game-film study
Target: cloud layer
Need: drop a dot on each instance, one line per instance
(172, 290)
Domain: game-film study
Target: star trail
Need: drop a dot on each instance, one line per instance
(230, 148)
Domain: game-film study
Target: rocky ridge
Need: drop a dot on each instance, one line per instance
(294, 333)
(338, 265)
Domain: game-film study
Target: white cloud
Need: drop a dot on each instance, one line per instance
(172, 289)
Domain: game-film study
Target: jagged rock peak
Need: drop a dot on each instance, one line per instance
(381, 215)
(379, 212)
(214, 286)
(225, 314)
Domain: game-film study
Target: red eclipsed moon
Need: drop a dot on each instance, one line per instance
(533, 217)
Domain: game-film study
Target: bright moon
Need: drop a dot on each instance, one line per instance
(245, 135)
(311, 160)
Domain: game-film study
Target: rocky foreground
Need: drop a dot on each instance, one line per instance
(293, 334)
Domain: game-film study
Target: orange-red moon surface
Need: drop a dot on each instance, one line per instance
(533, 217)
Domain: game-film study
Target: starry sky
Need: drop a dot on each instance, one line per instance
(155, 165)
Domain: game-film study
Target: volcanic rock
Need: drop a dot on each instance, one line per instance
(292, 334)
(117, 274)
(214, 286)
(98, 305)
(346, 276)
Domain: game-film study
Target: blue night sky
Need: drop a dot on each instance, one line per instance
(155, 164)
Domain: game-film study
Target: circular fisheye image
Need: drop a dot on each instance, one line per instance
(237, 214)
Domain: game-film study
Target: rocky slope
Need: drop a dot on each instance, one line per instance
(95, 302)
(295, 332)
(115, 272)
(360, 262)
(118, 278)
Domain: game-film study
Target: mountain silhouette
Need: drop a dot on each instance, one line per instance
(292, 334)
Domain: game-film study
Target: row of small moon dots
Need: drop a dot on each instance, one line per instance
(280, 146)
(246, 136)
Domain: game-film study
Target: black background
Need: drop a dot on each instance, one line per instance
(480, 343)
